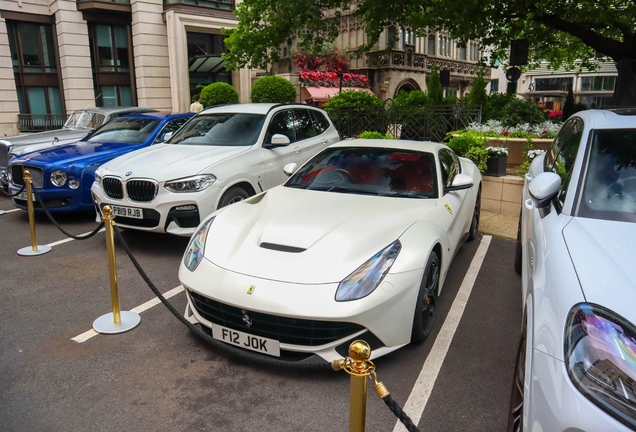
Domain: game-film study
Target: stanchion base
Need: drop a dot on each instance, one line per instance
(28, 251)
(104, 324)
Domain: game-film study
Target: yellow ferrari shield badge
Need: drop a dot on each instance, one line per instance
(251, 289)
(449, 209)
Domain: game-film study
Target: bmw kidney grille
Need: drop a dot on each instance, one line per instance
(113, 188)
(141, 190)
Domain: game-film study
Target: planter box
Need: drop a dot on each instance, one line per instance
(516, 147)
(496, 166)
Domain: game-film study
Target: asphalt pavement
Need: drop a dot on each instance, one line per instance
(161, 377)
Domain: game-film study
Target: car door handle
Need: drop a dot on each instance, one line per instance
(297, 150)
(529, 204)
(324, 141)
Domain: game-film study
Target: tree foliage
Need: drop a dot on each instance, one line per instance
(568, 106)
(218, 94)
(478, 95)
(435, 90)
(559, 31)
(273, 89)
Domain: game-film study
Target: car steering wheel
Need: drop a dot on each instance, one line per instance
(607, 192)
(346, 175)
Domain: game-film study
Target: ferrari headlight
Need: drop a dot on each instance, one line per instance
(368, 276)
(190, 184)
(600, 356)
(196, 248)
(58, 178)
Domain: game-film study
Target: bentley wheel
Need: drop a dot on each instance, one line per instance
(425, 306)
(474, 226)
(515, 414)
(233, 195)
(519, 249)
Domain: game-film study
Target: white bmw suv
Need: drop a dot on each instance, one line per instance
(223, 155)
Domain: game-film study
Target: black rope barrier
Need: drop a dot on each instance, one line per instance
(399, 413)
(66, 233)
(15, 194)
(236, 352)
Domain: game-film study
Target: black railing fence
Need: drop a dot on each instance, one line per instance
(40, 122)
(420, 123)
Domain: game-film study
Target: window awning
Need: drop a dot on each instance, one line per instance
(322, 94)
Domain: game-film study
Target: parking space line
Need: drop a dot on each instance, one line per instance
(139, 309)
(69, 239)
(423, 387)
(10, 211)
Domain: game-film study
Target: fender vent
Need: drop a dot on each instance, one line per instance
(282, 248)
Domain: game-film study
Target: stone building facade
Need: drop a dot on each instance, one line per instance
(63, 55)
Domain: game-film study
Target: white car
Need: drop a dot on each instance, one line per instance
(576, 366)
(356, 244)
(223, 155)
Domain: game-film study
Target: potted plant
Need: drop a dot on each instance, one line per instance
(496, 164)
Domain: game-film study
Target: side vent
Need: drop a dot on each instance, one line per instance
(282, 248)
(255, 199)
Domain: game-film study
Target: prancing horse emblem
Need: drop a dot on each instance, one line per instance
(246, 319)
(251, 289)
(128, 173)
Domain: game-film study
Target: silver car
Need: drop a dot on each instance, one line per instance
(77, 126)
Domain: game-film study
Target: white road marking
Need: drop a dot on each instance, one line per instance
(10, 211)
(69, 239)
(423, 387)
(139, 309)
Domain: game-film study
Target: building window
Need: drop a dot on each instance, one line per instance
(206, 66)
(431, 44)
(598, 83)
(401, 40)
(34, 59)
(111, 59)
(553, 84)
(494, 85)
(462, 52)
(219, 4)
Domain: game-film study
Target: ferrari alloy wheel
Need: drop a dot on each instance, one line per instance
(474, 226)
(426, 298)
(233, 195)
(515, 414)
(519, 249)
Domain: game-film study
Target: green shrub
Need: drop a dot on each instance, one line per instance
(273, 89)
(479, 156)
(375, 135)
(218, 94)
(496, 103)
(435, 90)
(353, 98)
(461, 144)
(478, 95)
(356, 111)
(417, 97)
(519, 111)
(568, 106)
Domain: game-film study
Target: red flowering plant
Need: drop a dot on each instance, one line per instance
(322, 70)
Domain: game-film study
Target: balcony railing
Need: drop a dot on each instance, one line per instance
(398, 59)
(40, 122)
(127, 2)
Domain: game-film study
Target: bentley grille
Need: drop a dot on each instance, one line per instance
(141, 190)
(4, 156)
(37, 175)
(113, 188)
(286, 330)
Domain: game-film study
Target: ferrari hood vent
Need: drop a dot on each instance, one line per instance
(282, 248)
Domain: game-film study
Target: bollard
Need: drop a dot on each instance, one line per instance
(359, 367)
(118, 321)
(34, 249)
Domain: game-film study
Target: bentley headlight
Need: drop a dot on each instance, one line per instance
(368, 276)
(190, 184)
(600, 356)
(196, 248)
(58, 178)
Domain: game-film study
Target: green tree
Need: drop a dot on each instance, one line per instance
(435, 90)
(568, 106)
(218, 94)
(273, 89)
(416, 97)
(478, 95)
(561, 32)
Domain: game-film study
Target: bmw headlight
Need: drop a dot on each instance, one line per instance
(58, 178)
(600, 356)
(98, 179)
(196, 248)
(368, 276)
(190, 184)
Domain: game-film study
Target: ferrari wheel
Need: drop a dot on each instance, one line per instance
(515, 413)
(425, 306)
(519, 249)
(233, 195)
(474, 226)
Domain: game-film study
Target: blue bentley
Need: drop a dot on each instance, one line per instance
(63, 175)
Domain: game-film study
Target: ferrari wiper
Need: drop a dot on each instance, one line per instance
(346, 190)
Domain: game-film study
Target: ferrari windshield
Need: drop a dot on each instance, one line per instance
(369, 171)
(222, 129)
(609, 191)
(85, 119)
(126, 130)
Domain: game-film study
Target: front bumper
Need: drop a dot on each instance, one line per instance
(556, 405)
(387, 313)
(61, 200)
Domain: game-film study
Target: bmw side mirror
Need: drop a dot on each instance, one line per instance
(290, 168)
(166, 136)
(543, 188)
(460, 182)
(279, 140)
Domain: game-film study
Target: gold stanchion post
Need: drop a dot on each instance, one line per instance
(34, 249)
(359, 367)
(118, 321)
